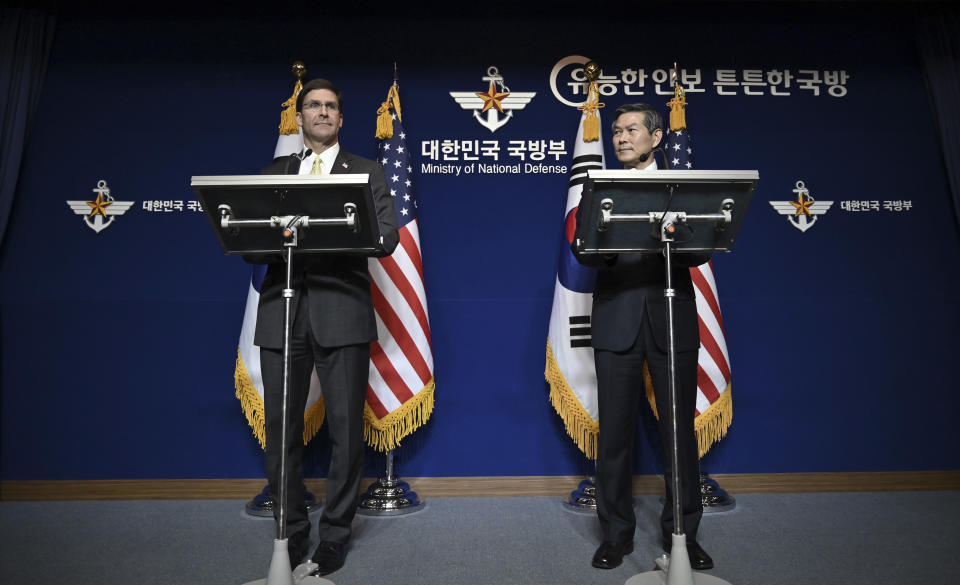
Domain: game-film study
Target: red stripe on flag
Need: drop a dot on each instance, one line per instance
(412, 248)
(704, 287)
(705, 385)
(399, 332)
(400, 281)
(710, 344)
(389, 373)
(375, 405)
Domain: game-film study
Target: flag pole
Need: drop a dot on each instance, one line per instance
(713, 498)
(389, 495)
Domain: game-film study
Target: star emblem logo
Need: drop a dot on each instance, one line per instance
(99, 206)
(487, 106)
(102, 211)
(803, 212)
(802, 205)
(492, 98)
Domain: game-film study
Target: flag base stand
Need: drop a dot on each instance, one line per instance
(583, 500)
(389, 496)
(262, 504)
(714, 498)
(675, 569)
(280, 573)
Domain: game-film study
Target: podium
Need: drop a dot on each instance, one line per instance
(245, 212)
(272, 217)
(629, 212)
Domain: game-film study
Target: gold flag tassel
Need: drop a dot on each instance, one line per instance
(591, 124)
(384, 119)
(678, 113)
(288, 117)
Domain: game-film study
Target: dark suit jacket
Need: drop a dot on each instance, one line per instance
(337, 286)
(629, 289)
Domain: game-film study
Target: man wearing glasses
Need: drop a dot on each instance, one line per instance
(332, 325)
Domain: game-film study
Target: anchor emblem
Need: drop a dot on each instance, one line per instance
(498, 99)
(803, 212)
(102, 211)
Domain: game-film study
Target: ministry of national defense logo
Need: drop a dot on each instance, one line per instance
(803, 212)
(488, 105)
(100, 213)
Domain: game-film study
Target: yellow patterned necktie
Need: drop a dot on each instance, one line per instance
(317, 168)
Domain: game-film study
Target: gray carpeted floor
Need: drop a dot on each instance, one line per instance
(783, 539)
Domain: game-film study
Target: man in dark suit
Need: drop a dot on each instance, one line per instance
(629, 325)
(332, 325)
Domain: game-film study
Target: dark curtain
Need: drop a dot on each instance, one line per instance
(938, 39)
(26, 38)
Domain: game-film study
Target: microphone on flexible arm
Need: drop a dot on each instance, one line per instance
(666, 165)
(646, 156)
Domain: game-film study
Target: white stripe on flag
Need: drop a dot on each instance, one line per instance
(407, 318)
(706, 315)
(248, 351)
(402, 258)
(394, 354)
(702, 403)
(382, 390)
(712, 370)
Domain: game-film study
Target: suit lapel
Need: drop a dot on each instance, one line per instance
(293, 165)
(343, 162)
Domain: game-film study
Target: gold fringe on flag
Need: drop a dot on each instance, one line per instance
(591, 124)
(386, 433)
(288, 117)
(252, 405)
(384, 119)
(711, 425)
(580, 426)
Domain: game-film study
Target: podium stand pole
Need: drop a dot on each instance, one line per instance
(288, 293)
(280, 571)
(675, 569)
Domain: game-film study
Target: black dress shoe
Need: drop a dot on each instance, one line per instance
(610, 554)
(298, 545)
(699, 559)
(329, 557)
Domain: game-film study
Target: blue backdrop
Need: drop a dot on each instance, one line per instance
(118, 347)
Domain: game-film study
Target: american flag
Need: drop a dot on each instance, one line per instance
(400, 386)
(714, 404)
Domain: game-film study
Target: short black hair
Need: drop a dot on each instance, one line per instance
(319, 84)
(651, 117)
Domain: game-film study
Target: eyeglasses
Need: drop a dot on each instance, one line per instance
(316, 106)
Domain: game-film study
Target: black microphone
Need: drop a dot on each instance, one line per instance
(646, 156)
(305, 154)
